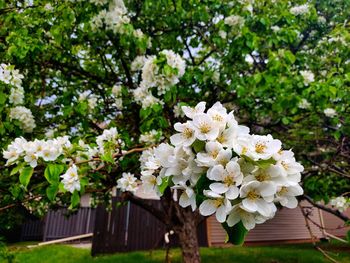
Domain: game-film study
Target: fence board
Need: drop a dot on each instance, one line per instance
(58, 225)
(129, 228)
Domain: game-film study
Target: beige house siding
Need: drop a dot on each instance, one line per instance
(287, 225)
(334, 225)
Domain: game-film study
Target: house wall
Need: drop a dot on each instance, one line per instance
(334, 225)
(288, 225)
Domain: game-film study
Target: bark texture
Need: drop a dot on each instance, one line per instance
(187, 234)
(183, 221)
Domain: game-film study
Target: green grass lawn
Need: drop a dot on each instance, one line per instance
(283, 253)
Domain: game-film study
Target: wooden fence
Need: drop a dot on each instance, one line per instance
(130, 227)
(58, 224)
(32, 230)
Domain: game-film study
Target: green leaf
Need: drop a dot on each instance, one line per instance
(17, 169)
(61, 188)
(348, 236)
(25, 175)
(263, 164)
(166, 181)
(198, 146)
(108, 157)
(285, 120)
(202, 183)
(235, 234)
(52, 173)
(15, 190)
(74, 200)
(51, 191)
(289, 57)
(2, 98)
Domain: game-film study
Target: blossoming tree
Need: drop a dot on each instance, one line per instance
(152, 95)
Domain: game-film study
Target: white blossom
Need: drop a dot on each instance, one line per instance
(110, 136)
(186, 135)
(234, 21)
(16, 96)
(24, 116)
(153, 75)
(114, 18)
(340, 203)
(238, 213)
(178, 112)
(128, 182)
(70, 179)
(308, 76)
(205, 127)
(286, 195)
(258, 197)
(150, 137)
(222, 34)
(138, 63)
(10, 75)
(330, 112)
(299, 9)
(217, 204)
(304, 104)
(191, 112)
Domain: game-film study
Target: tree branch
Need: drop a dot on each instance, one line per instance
(337, 213)
(145, 204)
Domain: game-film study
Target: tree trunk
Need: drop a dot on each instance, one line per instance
(188, 237)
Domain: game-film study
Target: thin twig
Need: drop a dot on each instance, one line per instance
(313, 238)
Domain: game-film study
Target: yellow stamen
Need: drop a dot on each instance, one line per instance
(260, 147)
(262, 176)
(204, 128)
(252, 195)
(214, 154)
(218, 202)
(217, 118)
(188, 133)
(283, 191)
(228, 180)
(221, 139)
(285, 166)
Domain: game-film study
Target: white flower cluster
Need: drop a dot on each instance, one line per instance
(25, 116)
(138, 63)
(117, 93)
(32, 151)
(234, 21)
(308, 76)
(99, 2)
(240, 176)
(70, 179)
(299, 10)
(163, 77)
(150, 137)
(329, 112)
(128, 182)
(304, 104)
(340, 203)
(177, 110)
(110, 137)
(91, 99)
(11, 76)
(113, 19)
(16, 96)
